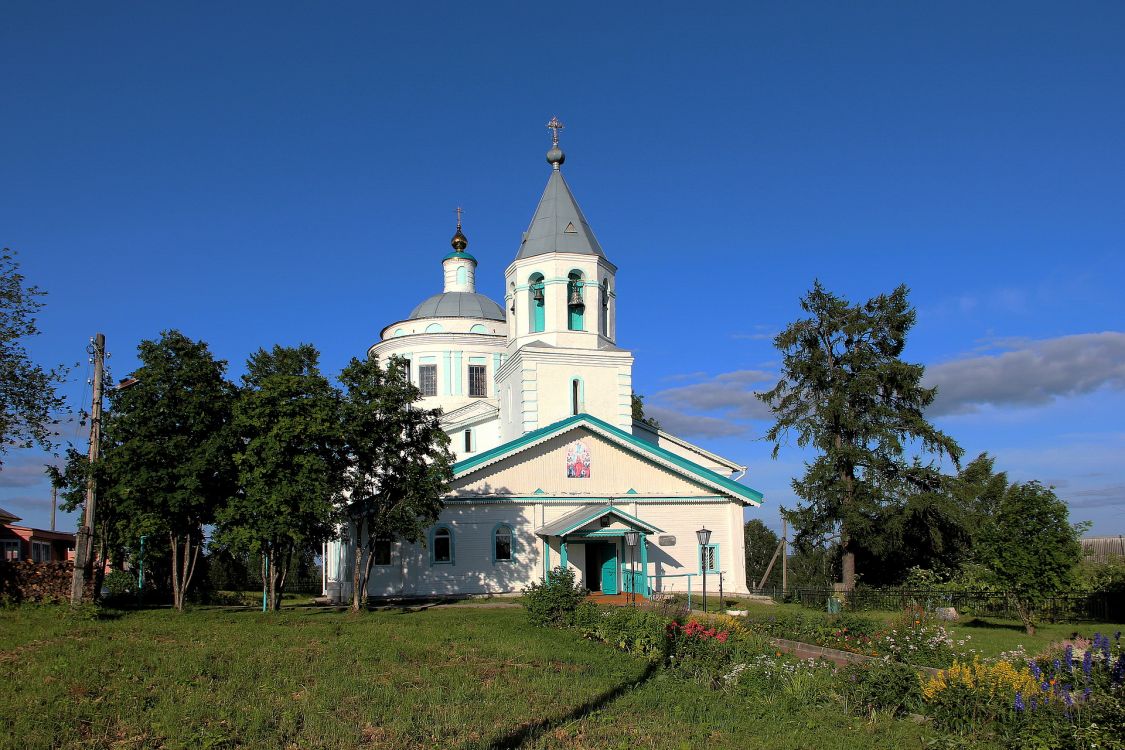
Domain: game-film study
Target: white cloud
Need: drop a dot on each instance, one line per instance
(1030, 373)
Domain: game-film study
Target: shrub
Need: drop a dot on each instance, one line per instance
(968, 696)
(119, 583)
(636, 630)
(553, 603)
(881, 686)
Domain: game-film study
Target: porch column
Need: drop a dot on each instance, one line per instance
(644, 565)
(547, 559)
(562, 552)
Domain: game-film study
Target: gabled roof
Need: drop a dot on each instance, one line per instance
(630, 443)
(576, 519)
(558, 225)
(6, 517)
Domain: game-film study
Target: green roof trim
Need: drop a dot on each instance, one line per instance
(466, 256)
(575, 520)
(641, 447)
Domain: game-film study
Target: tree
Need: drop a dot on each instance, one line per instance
(639, 412)
(399, 462)
(28, 400)
(290, 465)
(170, 466)
(1031, 547)
(846, 392)
(761, 543)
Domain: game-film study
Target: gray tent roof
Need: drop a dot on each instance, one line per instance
(458, 305)
(558, 225)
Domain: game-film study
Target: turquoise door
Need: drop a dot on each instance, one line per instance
(609, 569)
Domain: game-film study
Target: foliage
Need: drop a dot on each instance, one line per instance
(168, 466)
(846, 392)
(290, 464)
(639, 631)
(761, 543)
(638, 402)
(399, 462)
(120, 582)
(881, 685)
(1031, 547)
(1072, 701)
(553, 603)
(29, 403)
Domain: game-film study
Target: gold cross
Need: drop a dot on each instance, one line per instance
(555, 126)
(458, 210)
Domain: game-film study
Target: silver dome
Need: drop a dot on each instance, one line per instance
(458, 305)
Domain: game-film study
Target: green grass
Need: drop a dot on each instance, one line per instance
(465, 677)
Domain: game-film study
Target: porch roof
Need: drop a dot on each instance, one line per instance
(576, 519)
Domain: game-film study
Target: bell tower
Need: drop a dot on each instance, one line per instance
(560, 296)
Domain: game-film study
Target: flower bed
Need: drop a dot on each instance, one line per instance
(1076, 700)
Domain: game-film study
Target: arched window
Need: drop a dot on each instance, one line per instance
(462, 276)
(503, 544)
(399, 332)
(575, 302)
(577, 397)
(441, 546)
(537, 302)
(478, 328)
(603, 319)
(434, 328)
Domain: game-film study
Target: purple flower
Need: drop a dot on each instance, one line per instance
(1086, 694)
(1066, 697)
(1019, 702)
(1057, 667)
(1035, 671)
(1087, 664)
(1069, 658)
(1045, 687)
(1033, 705)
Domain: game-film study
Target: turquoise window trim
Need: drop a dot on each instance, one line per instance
(462, 276)
(452, 549)
(478, 328)
(512, 542)
(718, 560)
(458, 373)
(435, 328)
(447, 374)
(575, 316)
(537, 319)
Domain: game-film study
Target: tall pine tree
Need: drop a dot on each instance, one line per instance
(846, 392)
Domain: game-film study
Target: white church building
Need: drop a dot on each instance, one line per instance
(551, 468)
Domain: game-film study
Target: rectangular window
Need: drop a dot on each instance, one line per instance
(478, 380)
(427, 379)
(40, 552)
(469, 446)
(382, 552)
(406, 370)
(503, 547)
(711, 558)
(11, 549)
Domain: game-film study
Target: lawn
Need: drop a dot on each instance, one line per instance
(457, 677)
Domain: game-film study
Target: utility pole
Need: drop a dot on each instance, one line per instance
(84, 544)
(54, 503)
(784, 557)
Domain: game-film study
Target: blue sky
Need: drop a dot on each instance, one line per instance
(256, 174)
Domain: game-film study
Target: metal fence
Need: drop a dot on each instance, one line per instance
(1070, 607)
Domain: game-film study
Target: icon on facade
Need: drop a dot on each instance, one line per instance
(578, 461)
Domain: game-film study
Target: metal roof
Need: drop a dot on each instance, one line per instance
(458, 305)
(588, 513)
(558, 225)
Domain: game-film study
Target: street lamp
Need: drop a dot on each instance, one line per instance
(631, 538)
(704, 536)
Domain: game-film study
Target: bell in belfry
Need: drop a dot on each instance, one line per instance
(575, 297)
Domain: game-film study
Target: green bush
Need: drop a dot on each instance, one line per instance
(554, 602)
(636, 630)
(119, 583)
(881, 686)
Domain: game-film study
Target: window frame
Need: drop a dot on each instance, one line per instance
(390, 552)
(483, 381)
(11, 544)
(433, 545)
(37, 550)
(496, 532)
(422, 370)
(713, 561)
